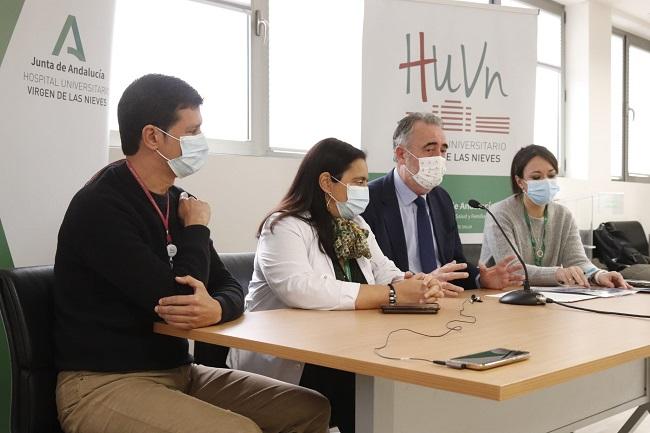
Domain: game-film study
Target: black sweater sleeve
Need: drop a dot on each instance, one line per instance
(223, 287)
(116, 243)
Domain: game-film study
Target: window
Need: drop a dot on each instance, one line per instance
(630, 107)
(638, 107)
(267, 87)
(314, 72)
(206, 43)
(549, 90)
(617, 65)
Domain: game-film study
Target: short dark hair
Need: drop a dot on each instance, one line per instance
(305, 195)
(523, 157)
(152, 99)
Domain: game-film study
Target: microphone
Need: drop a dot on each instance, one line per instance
(517, 297)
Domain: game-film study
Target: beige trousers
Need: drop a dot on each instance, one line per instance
(188, 399)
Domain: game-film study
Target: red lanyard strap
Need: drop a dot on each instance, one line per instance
(164, 219)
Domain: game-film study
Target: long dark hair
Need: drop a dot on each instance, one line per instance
(523, 157)
(305, 195)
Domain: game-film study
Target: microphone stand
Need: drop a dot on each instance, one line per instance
(517, 297)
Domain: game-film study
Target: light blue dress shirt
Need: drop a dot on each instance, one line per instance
(409, 210)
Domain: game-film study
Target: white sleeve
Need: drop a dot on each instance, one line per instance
(283, 256)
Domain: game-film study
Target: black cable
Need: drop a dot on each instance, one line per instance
(615, 313)
(458, 328)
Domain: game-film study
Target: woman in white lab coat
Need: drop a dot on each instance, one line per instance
(316, 252)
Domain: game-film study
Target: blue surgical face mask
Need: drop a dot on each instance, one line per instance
(358, 199)
(542, 191)
(194, 152)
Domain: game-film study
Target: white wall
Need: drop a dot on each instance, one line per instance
(242, 189)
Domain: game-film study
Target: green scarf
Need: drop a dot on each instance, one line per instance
(350, 240)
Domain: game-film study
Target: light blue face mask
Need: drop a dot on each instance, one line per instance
(194, 152)
(542, 191)
(358, 199)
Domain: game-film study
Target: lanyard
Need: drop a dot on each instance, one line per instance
(171, 248)
(538, 251)
(346, 269)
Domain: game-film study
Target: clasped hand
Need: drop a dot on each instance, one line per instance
(419, 288)
(190, 311)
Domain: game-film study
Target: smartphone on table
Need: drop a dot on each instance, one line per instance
(488, 359)
(410, 308)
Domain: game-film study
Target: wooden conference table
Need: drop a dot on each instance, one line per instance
(583, 366)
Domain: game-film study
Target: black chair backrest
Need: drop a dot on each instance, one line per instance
(26, 308)
(634, 233)
(240, 266)
(472, 253)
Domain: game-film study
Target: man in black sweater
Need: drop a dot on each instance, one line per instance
(134, 249)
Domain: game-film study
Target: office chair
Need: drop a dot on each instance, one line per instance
(27, 314)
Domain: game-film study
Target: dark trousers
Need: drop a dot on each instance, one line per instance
(338, 386)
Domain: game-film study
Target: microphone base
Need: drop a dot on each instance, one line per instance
(523, 297)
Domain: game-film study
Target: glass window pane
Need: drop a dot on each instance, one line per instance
(639, 112)
(549, 38)
(314, 72)
(547, 109)
(203, 44)
(549, 34)
(616, 160)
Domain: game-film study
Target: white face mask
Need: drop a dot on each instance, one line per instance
(358, 199)
(194, 152)
(432, 170)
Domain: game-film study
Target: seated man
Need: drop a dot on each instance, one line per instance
(133, 249)
(413, 218)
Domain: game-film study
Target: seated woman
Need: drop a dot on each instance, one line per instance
(316, 252)
(544, 232)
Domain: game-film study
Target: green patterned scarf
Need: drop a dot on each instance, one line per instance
(350, 240)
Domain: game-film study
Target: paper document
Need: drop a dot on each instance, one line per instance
(557, 296)
(598, 292)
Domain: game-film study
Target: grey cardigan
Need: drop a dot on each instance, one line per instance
(562, 240)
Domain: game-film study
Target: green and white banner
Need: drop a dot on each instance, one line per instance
(54, 64)
(54, 134)
(474, 66)
(5, 255)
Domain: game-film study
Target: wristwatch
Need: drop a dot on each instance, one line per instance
(392, 295)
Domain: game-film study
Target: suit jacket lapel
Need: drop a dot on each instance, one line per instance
(393, 219)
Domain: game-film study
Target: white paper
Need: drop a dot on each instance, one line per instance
(560, 297)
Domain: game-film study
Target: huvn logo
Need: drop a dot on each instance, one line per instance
(78, 50)
(467, 85)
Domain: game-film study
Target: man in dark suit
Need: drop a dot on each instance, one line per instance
(413, 218)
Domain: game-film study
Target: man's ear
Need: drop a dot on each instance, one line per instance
(325, 182)
(151, 137)
(400, 155)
